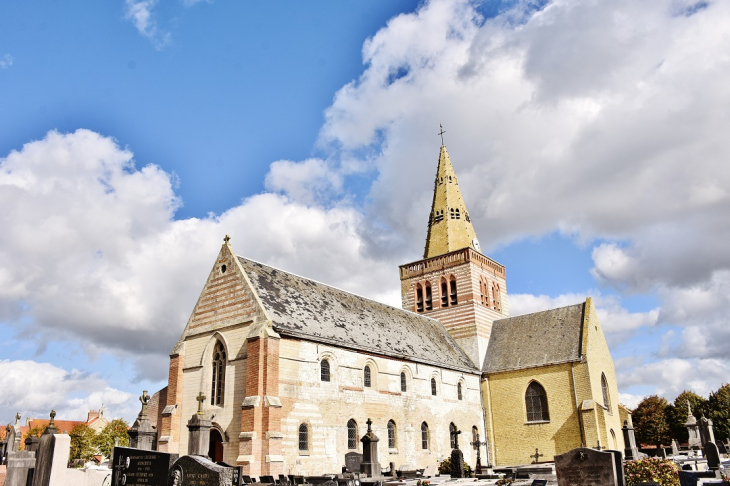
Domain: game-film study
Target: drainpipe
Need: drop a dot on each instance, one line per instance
(577, 407)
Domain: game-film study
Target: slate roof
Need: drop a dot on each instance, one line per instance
(307, 309)
(549, 337)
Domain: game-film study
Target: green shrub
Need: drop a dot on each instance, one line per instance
(663, 471)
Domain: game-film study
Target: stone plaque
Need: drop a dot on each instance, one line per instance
(199, 471)
(133, 467)
(586, 467)
(353, 461)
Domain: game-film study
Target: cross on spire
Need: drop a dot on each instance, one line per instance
(226, 239)
(200, 398)
(441, 132)
(536, 455)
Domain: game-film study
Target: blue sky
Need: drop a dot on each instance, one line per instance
(589, 140)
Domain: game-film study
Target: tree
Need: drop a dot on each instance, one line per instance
(651, 422)
(719, 411)
(83, 442)
(115, 433)
(677, 413)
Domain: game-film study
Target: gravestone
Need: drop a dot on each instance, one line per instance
(132, 467)
(692, 478)
(721, 447)
(618, 462)
(353, 461)
(142, 434)
(707, 433)
(199, 431)
(631, 452)
(694, 441)
(370, 465)
(675, 448)
(430, 471)
(12, 444)
(32, 443)
(713, 456)
(199, 471)
(51, 429)
(586, 467)
(51, 460)
(20, 465)
(457, 464)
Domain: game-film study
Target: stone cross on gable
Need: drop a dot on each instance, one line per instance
(536, 456)
(200, 399)
(144, 399)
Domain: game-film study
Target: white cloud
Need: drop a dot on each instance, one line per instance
(307, 181)
(670, 377)
(6, 61)
(91, 252)
(33, 389)
(140, 13)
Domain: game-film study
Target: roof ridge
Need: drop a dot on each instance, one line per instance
(540, 312)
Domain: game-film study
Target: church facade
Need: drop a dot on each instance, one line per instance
(289, 369)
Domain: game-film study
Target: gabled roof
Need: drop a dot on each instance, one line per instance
(550, 337)
(307, 309)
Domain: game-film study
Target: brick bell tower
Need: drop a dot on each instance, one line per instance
(454, 282)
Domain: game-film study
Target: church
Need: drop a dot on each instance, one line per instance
(289, 369)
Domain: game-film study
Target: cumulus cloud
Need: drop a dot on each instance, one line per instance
(92, 243)
(33, 389)
(309, 181)
(140, 13)
(6, 61)
(670, 377)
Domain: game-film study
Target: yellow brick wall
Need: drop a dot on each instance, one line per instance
(512, 439)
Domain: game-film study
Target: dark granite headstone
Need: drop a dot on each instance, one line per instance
(721, 446)
(353, 461)
(199, 471)
(586, 467)
(691, 478)
(20, 465)
(713, 456)
(631, 452)
(132, 467)
(619, 463)
(457, 464)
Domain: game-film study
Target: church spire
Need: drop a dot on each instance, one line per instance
(449, 225)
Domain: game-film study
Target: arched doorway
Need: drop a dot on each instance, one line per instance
(215, 451)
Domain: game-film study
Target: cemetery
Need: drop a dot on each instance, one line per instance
(704, 460)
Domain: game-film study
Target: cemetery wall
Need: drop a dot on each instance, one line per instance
(512, 437)
(326, 407)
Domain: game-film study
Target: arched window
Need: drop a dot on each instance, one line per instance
(613, 440)
(484, 286)
(429, 300)
(419, 298)
(474, 436)
(351, 434)
(303, 437)
(458, 391)
(458, 216)
(218, 384)
(403, 382)
(366, 377)
(452, 213)
(324, 370)
(444, 294)
(452, 435)
(454, 297)
(424, 435)
(391, 435)
(433, 386)
(604, 389)
(496, 297)
(536, 403)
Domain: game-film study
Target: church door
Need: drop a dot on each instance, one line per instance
(215, 451)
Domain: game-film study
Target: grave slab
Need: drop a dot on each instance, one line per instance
(586, 467)
(134, 467)
(199, 471)
(20, 464)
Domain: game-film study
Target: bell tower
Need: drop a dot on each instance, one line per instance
(454, 282)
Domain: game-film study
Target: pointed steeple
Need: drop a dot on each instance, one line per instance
(449, 224)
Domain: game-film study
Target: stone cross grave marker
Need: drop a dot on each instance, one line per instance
(353, 461)
(586, 467)
(132, 467)
(536, 456)
(199, 471)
